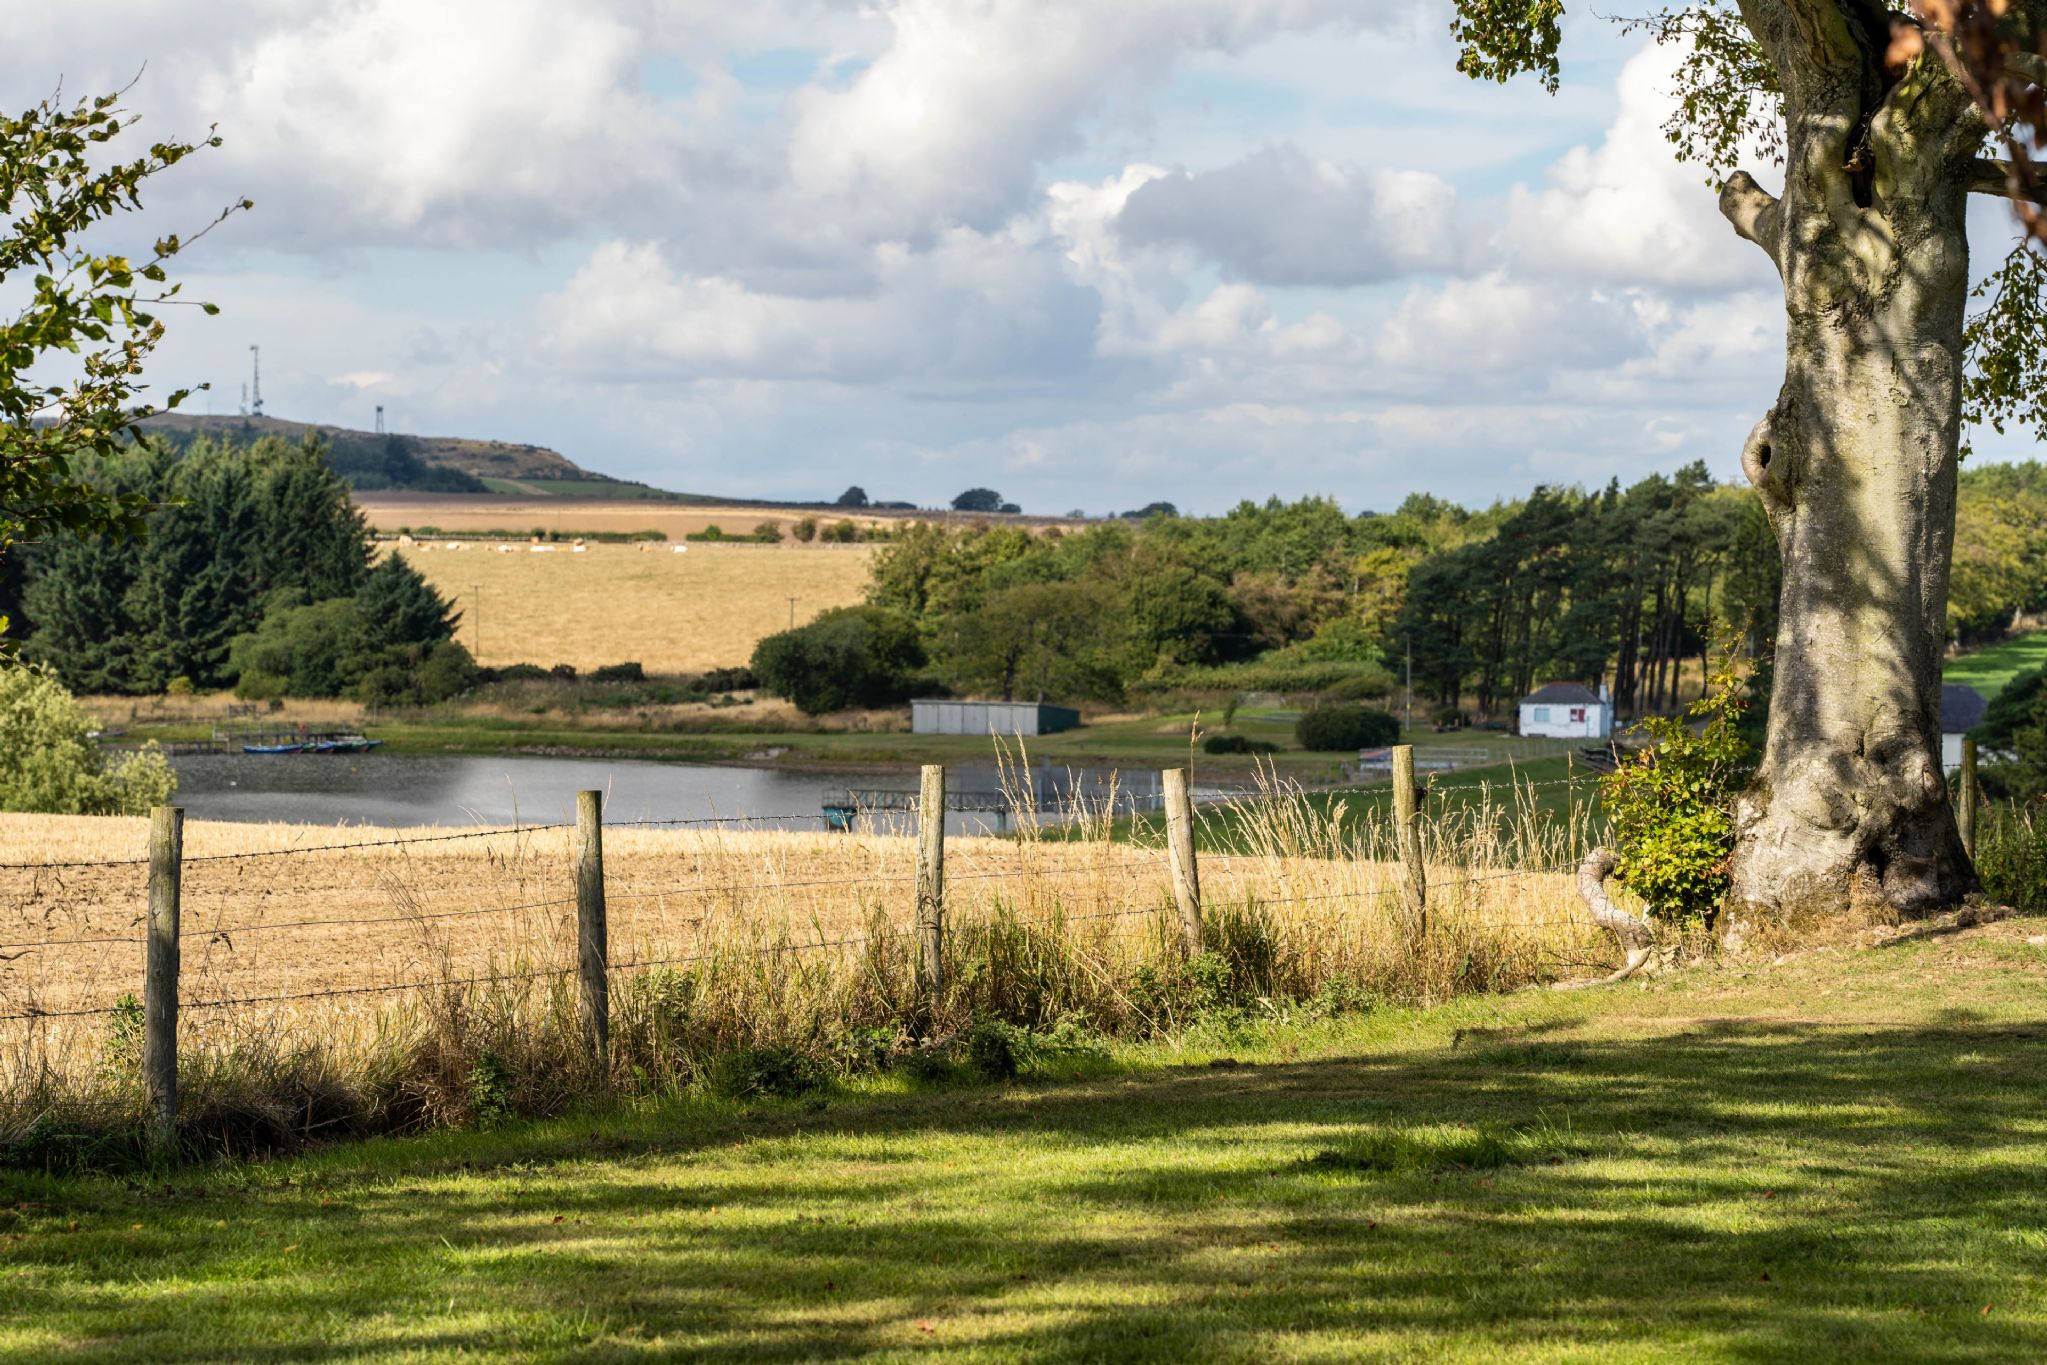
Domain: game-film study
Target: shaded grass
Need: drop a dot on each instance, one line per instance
(1835, 1157)
(1990, 669)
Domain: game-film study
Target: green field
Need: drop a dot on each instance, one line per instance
(1989, 670)
(1833, 1156)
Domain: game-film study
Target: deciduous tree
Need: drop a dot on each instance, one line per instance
(1879, 118)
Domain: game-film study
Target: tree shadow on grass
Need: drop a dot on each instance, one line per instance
(1746, 1190)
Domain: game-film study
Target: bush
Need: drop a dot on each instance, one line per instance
(805, 530)
(1363, 687)
(2011, 857)
(1671, 805)
(1346, 725)
(2010, 711)
(51, 762)
(618, 673)
(1237, 744)
(728, 680)
(853, 656)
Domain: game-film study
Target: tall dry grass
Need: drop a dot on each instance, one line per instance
(402, 985)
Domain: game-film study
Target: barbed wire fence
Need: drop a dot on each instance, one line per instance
(163, 932)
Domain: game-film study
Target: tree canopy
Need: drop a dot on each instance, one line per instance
(86, 320)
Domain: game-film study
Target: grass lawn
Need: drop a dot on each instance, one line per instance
(1834, 1157)
(1989, 670)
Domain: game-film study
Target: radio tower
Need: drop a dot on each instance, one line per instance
(380, 419)
(256, 380)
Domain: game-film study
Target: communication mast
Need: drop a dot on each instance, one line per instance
(256, 381)
(380, 419)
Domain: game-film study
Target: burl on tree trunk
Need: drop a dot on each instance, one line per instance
(1856, 465)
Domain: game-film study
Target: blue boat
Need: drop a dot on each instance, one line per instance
(317, 744)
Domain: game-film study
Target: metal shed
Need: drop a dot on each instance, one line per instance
(990, 718)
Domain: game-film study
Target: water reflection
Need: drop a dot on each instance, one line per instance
(459, 790)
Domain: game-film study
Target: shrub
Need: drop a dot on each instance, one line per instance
(768, 532)
(1362, 686)
(1671, 805)
(2011, 857)
(805, 530)
(51, 762)
(853, 656)
(179, 687)
(768, 1071)
(1327, 729)
(1237, 744)
(728, 680)
(618, 673)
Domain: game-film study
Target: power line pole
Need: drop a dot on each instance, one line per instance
(476, 594)
(792, 613)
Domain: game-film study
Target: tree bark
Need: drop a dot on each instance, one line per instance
(1856, 466)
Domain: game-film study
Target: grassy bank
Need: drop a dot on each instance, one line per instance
(1988, 670)
(1835, 1156)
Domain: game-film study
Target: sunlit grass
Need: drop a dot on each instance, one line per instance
(1834, 1157)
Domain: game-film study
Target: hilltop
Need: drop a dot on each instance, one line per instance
(372, 461)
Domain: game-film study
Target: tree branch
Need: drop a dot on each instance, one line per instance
(1755, 214)
(1989, 176)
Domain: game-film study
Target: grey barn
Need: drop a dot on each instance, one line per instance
(990, 718)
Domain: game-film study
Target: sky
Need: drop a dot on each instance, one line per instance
(1090, 255)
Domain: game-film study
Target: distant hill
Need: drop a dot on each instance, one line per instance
(435, 464)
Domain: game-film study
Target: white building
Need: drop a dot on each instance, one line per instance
(1961, 710)
(1566, 710)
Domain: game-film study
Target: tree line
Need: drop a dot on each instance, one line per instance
(254, 571)
(1624, 587)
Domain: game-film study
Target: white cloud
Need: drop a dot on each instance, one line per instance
(1627, 211)
(974, 310)
(1281, 217)
(950, 123)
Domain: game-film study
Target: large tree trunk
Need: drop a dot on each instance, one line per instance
(1856, 466)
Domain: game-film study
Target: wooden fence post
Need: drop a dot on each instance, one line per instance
(931, 879)
(160, 976)
(592, 952)
(1965, 817)
(1408, 832)
(1180, 851)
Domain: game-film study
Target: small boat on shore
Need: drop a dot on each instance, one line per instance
(317, 744)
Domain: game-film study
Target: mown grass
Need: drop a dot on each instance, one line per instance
(1833, 1157)
(1991, 669)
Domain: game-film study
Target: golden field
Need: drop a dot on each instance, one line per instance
(607, 604)
(309, 917)
(395, 511)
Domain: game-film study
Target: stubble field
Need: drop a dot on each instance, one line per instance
(308, 932)
(607, 604)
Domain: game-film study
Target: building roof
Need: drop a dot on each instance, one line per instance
(1562, 694)
(1961, 708)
